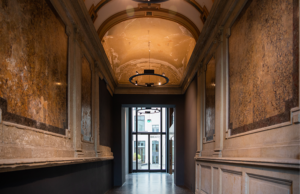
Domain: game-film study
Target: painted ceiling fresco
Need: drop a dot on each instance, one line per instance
(127, 48)
(126, 43)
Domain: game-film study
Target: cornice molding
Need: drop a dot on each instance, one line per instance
(141, 13)
(94, 9)
(202, 10)
(145, 90)
(91, 41)
(209, 38)
(7, 165)
(269, 162)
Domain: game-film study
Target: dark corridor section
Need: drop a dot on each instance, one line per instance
(106, 115)
(88, 178)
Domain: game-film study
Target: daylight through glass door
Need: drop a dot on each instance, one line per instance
(148, 138)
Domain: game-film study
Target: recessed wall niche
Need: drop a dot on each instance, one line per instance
(210, 83)
(263, 65)
(86, 100)
(33, 65)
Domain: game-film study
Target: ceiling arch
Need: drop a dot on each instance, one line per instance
(195, 10)
(128, 49)
(142, 13)
(174, 27)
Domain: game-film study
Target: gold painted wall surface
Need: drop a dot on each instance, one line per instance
(263, 64)
(210, 94)
(33, 65)
(126, 46)
(86, 100)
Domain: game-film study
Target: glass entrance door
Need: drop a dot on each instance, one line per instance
(148, 131)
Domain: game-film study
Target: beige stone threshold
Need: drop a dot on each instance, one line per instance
(7, 165)
(269, 162)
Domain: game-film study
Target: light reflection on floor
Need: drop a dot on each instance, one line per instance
(150, 183)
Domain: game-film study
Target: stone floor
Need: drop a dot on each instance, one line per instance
(149, 183)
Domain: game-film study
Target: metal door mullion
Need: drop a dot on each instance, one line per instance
(130, 140)
(167, 139)
(161, 138)
(148, 152)
(136, 149)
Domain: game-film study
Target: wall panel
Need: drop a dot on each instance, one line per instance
(210, 95)
(216, 177)
(86, 100)
(231, 182)
(33, 65)
(263, 184)
(206, 179)
(263, 65)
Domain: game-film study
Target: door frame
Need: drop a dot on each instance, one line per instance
(148, 134)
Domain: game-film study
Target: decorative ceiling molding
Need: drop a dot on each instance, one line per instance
(202, 10)
(147, 6)
(94, 9)
(145, 13)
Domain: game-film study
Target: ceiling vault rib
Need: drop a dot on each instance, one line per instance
(140, 13)
(201, 9)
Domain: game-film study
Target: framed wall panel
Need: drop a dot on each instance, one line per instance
(33, 66)
(86, 100)
(263, 65)
(210, 93)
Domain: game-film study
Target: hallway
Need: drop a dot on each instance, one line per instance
(148, 183)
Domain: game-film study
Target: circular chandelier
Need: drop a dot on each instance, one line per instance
(150, 1)
(150, 73)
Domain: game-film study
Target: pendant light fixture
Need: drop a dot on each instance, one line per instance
(148, 72)
(150, 1)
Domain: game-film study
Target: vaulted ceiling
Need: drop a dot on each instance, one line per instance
(128, 30)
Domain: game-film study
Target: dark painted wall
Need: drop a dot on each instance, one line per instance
(87, 178)
(106, 104)
(190, 135)
(178, 101)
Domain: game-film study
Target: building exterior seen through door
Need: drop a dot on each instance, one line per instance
(148, 136)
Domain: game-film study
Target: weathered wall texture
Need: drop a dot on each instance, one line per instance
(263, 64)
(17, 142)
(86, 100)
(33, 62)
(210, 77)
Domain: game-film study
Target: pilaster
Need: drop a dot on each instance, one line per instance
(96, 111)
(219, 98)
(77, 93)
(200, 85)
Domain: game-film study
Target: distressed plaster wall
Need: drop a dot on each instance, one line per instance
(256, 142)
(33, 62)
(263, 64)
(23, 142)
(86, 100)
